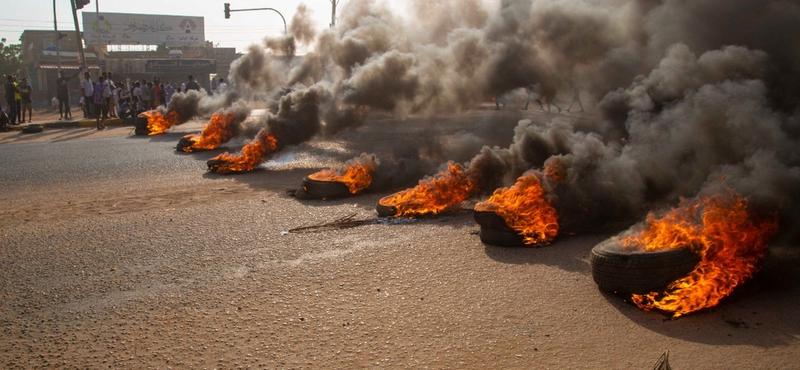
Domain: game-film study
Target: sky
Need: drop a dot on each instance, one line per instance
(241, 30)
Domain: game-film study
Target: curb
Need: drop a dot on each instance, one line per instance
(70, 124)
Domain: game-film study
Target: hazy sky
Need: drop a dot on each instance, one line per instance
(242, 29)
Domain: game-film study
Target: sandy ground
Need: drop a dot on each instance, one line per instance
(190, 271)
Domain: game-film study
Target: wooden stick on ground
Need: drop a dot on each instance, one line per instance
(340, 223)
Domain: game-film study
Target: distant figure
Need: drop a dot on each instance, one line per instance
(4, 121)
(170, 91)
(11, 91)
(534, 94)
(576, 93)
(221, 86)
(62, 94)
(19, 102)
(549, 92)
(25, 91)
(112, 101)
(191, 84)
(88, 94)
(100, 107)
(147, 94)
(499, 100)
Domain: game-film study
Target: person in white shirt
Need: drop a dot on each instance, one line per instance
(88, 93)
(221, 86)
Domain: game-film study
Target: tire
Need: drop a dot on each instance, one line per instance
(385, 211)
(316, 189)
(141, 131)
(626, 271)
(32, 129)
(183, 143)
(495, 231)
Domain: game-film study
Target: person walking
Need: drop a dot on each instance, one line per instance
(534, 94)
(62, 94)
(549, 91)
(11, 100)
(99, 95)
(576, 93)
(25, 91)
(87, 88)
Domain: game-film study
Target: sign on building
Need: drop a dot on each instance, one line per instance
(142, 29)
(181, 66)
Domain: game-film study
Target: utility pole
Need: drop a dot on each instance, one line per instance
(55, 26)
(334, 3)
(78, 35)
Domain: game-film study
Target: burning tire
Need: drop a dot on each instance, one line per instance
(628, 271)
(385, 211)
(32, 129)
(495, 231)
(315, 189)
(140, 127)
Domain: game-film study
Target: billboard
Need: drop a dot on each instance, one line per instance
(181, 66)
(142, 29)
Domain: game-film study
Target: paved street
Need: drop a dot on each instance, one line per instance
(118, 252)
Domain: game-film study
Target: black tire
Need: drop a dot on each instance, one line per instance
(184, 143)
(316, 189)
(495, 231)
(33, 129)
(625, 271)
(141, 131)
(385, 211)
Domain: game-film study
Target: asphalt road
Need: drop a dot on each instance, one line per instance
(118, 252)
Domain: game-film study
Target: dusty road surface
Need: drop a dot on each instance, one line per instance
(119, 253)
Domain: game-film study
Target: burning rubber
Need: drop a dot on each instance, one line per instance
(630, 271)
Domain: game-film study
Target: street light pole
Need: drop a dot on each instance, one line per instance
(228, 10)
(55, 26)
(334, 3)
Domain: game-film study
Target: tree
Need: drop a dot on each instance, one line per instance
(10, 58)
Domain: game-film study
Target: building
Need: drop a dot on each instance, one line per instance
(43, 54)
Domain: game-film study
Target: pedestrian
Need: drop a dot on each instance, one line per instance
(125, 110)
(534, 94)
(191, 84)
(112, 101)
(87, 88)
(170, 91)
(11, 100)
(62, 94)
(19, 102)
(221, 86)
(549, 91)
(161, 96)
(4, 121)
(576, 93)
(99, 101)
(137, 92)
(25, 91)
(146, 99)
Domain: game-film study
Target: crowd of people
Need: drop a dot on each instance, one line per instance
(103, 99)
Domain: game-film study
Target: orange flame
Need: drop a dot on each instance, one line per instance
(556, 171)
(729, 240)
(250, 157)
(525, 209)
(157, 123)
(218, 131)
(357, 176)
(433, 195)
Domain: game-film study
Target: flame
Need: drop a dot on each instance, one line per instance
(250, 157)
(729, 240)
(357, 176)
(157, 122)
(525, 209)
(555, 171)
(433, 195)
(217, 131)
